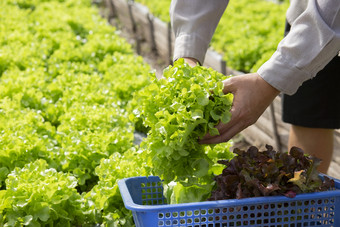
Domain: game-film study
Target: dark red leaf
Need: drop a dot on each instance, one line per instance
(255, 173)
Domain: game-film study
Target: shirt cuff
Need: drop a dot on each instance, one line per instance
(279, 73)
(190, 46)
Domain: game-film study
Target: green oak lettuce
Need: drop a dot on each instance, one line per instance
(66, 78)
(180, 108)
(105, 197)
(25, 136)
(37, 195)
(187, 191)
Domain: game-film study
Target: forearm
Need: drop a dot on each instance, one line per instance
(313, 41)
(194, 23)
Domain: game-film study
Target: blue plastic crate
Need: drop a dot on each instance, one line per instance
(144, 197)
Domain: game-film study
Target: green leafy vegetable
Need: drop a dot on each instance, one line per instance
(105, 196)
(66, 80)
(36, 195)
(179, 109)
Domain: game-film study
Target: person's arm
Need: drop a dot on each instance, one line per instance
(312, 42)
(314, 39)
(194, 23)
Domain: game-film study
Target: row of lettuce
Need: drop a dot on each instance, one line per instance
(69, 110)
(248, 33)
(66, 82)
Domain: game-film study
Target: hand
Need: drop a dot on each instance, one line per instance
(252, 95)
(191, 61)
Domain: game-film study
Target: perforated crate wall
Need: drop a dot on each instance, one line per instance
(152, 193)
(144, 196)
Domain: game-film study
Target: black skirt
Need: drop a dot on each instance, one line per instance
(316, 104)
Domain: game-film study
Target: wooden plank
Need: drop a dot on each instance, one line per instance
(337, 159)
(334, 170)
(284, 141)
(215, 61)
(278, 112)
(123, 14)
(275, 126)
(141, 16)
(263, 129)
(172, 39)
(233, 72)
(256, 137)
(337, 144)
(264, 123)
(161, 38)
(170, 44)
(111, 10)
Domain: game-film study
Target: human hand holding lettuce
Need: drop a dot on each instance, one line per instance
(252, 95)
(194, 23)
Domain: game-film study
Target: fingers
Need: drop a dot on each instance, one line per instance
(252, 95)
(225, 136)
(226, 131)
(228, 86)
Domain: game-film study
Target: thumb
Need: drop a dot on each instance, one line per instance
(229, 86)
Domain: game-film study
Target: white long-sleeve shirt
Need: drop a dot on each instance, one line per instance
(314, 38)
